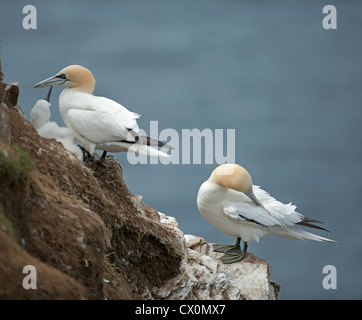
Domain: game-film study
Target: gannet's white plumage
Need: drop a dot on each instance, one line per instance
(40, 118)
(98, 122)
(230, 201)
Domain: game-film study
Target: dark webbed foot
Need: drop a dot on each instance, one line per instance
(233, 253)
(227, 247)
(222, 247)
(87, 157)
(233, 256)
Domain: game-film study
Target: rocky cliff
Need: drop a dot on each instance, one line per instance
(89, 237)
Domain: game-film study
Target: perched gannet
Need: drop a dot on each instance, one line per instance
(98, 122)
(230, 201)
(40, 118)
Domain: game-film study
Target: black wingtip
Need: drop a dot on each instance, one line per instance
(308, 222)
(153, 142)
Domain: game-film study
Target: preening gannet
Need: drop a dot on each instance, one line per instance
(40, 118)
(98, 122)
(230, 201)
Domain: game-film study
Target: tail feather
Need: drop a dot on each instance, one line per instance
(300, 234)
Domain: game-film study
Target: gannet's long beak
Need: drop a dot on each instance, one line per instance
(252, 196)
(56, 80)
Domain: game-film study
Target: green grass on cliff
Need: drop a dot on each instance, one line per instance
(7, 226)
(14, 166)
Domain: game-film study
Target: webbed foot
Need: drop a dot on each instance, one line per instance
(233, 253)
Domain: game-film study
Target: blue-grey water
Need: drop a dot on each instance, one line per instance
(290, 89)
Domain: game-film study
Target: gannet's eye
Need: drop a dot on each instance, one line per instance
(62, 76)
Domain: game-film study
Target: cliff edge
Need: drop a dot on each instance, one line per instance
(89, 237)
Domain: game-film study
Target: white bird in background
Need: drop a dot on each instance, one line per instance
(40, 118)
(230, 201)
(98, 122)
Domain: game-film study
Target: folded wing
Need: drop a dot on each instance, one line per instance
(100, 119)
(271, 213)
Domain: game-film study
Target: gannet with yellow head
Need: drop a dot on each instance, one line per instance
(98, 122)
(230, 201)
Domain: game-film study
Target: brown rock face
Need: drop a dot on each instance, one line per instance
(79, 219)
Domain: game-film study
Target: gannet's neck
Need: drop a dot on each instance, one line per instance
(86, 88)
(82, 89)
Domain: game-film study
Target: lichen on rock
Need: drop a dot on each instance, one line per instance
(204, 277)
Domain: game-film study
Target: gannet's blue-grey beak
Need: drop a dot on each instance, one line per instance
(252, 196)
(56, 80)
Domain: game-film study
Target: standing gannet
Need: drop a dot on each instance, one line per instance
(98, 122)
(230, 201)
(40, 118)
